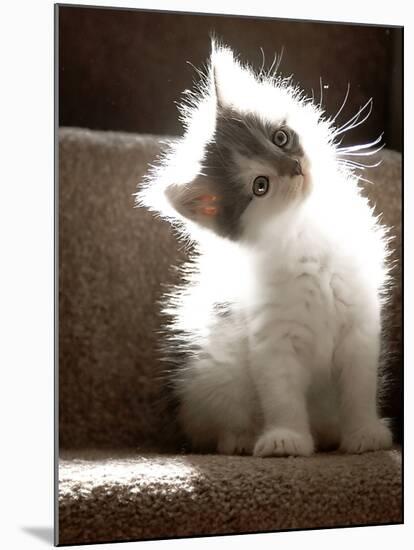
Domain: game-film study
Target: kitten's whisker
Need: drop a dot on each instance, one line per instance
(349, 165)
(276, 62)
(363, 154)
(350, 126)
(272, 65)
(361, 146)
(237, 120)
(350, 162)
(332, 140)
(263, 62)
(313, 96)
(354, 118)
(343, 103)
(282, 51)
(360, 178)
(321, 95)
(358, 123)
(359, 164)
(198, 71)
(373, 165)
(353, 122)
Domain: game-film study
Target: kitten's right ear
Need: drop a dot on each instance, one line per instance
(195, 201)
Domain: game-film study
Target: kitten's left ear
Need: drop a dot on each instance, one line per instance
(228, 76)
(196, 201)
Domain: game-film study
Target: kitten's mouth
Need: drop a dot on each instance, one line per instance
(306, 183)
(298, 169)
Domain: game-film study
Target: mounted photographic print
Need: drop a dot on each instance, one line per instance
(230, 311)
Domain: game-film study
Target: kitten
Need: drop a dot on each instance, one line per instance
(279, 319)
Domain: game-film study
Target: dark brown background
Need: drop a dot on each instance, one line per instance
(124, 69)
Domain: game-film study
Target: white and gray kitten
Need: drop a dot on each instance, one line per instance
(280, 321)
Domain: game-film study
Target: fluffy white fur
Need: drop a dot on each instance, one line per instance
(294, 366)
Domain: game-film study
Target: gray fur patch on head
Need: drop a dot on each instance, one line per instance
(244, 136)
(226, 183)
(252, 137)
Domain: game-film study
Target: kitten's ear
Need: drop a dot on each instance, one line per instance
(196, 201)
(228, 76)
(222, 61)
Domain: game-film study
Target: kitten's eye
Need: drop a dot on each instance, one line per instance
(261, 186)
(281, 138)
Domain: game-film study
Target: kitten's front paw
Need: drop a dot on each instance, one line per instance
(231, 443)
(284, 442)
(370, 437)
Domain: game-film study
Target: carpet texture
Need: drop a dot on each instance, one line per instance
(114, 263)
(133, 496)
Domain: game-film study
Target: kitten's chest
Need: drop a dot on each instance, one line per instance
(303, 302)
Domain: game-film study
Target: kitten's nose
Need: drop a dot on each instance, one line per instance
(297, 169)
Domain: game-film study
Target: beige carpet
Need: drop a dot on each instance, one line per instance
(127, 495)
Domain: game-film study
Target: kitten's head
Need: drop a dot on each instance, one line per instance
(248, 153)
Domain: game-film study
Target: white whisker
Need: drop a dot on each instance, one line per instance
(362, 146)
(360, 178)
(279, 60)
(358, 123)
(313, 96)
(273, 62)
(321, 87)
(353, 121)
(355, 116)
(198, 71)
(363, 154)
(263, 62)
(343, 103)
(350, 164)
(360, 164)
